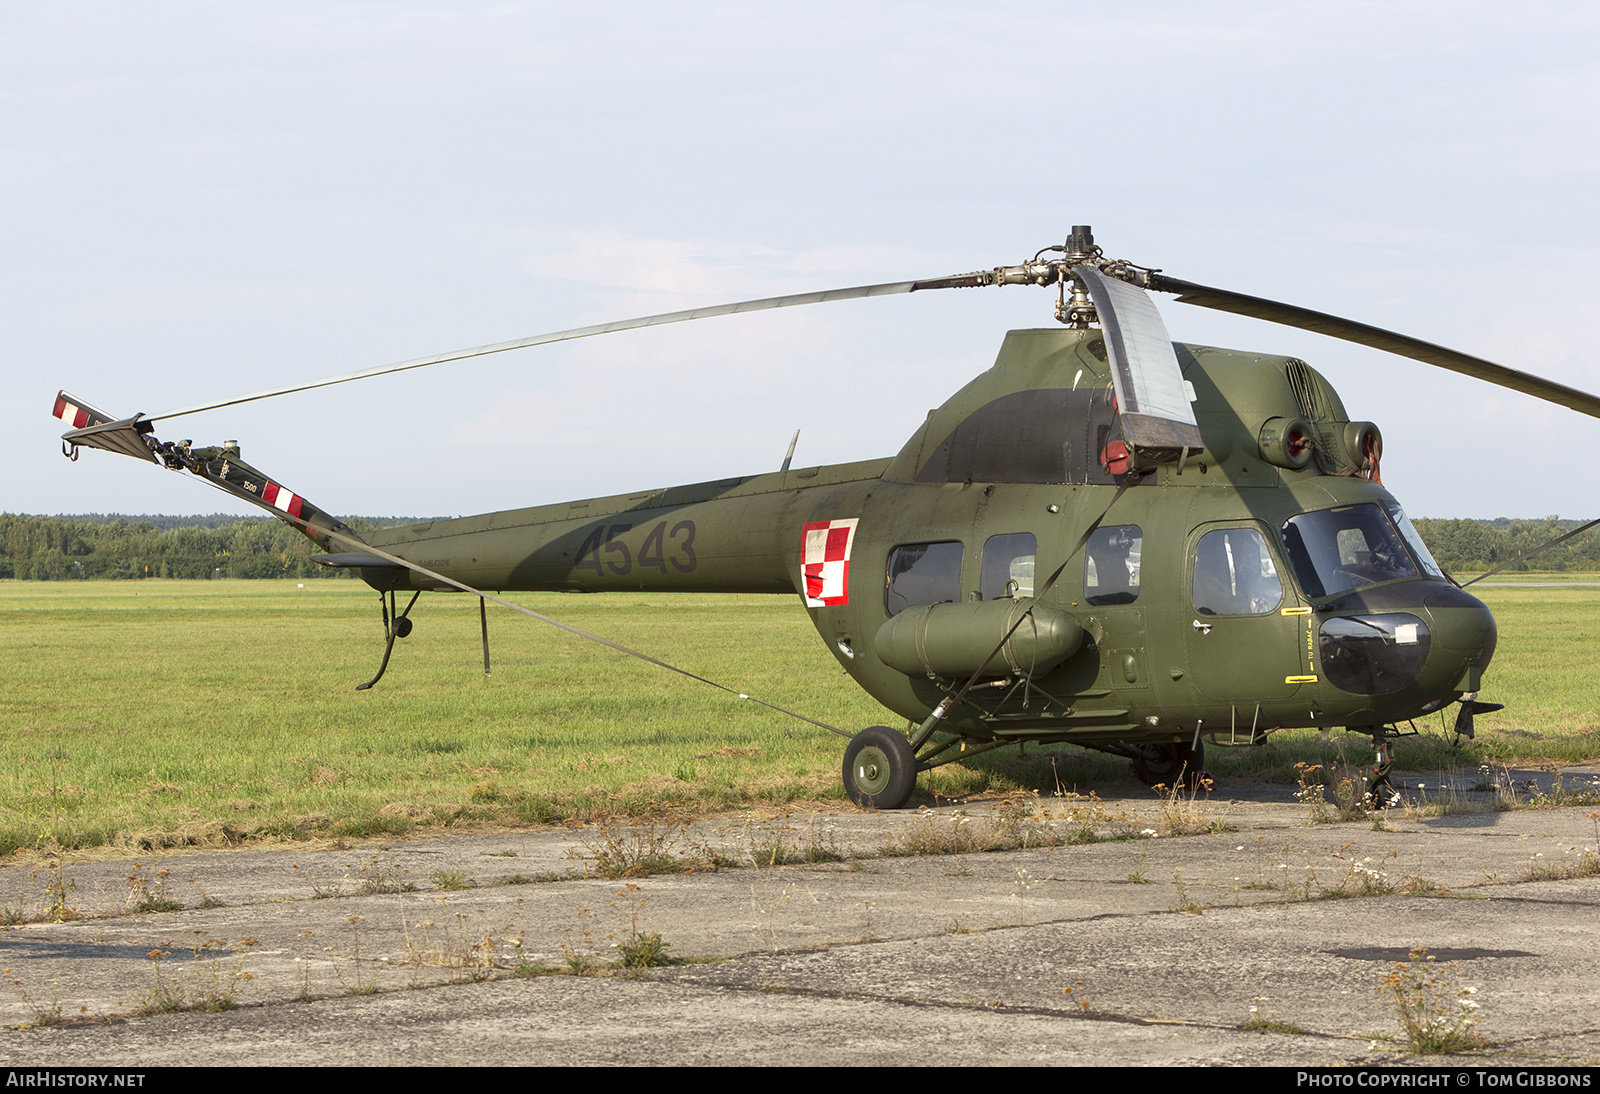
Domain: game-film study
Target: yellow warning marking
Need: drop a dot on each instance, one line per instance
(1299, 679)
(1294, 611)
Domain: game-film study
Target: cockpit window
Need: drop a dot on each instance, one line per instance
(1336, 550)
(1419, 550)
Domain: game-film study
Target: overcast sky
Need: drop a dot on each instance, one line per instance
(201, 200)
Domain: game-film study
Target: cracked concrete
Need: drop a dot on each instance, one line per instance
(946, 958)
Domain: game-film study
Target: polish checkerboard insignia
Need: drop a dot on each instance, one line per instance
(825, 561)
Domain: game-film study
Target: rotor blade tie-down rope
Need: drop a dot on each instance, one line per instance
(1038, 597)
(1537, 550)
(579, 631)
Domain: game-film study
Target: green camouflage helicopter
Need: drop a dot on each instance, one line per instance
(1107, 539)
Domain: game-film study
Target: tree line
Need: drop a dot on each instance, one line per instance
(1466, 548)
(221, 545)
(91, 546)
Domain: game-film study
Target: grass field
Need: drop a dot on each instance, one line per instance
(162, 713)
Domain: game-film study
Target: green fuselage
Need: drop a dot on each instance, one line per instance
(1178, 631)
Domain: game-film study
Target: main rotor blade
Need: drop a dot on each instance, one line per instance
(792, 300)
(1156, 413)
(1351, 331)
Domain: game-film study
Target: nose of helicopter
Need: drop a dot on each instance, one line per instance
(1426, 639)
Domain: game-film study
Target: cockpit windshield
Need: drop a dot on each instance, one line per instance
(1336, 550)
(1419, 550)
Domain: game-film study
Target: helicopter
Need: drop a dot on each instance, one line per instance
(1107, 539)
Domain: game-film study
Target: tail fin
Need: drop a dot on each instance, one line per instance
(220, 466)
(95, 428)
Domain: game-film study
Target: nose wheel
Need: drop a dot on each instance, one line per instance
(880, 769)
(1381, 793)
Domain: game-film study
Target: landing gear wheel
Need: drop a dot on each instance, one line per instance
(1381, 793)
(880, 770)
(1167, 765)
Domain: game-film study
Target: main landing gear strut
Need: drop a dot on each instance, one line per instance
(397, 624)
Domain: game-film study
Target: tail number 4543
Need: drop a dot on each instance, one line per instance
(604, 549)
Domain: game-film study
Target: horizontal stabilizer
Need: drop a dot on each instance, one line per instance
(357, 560)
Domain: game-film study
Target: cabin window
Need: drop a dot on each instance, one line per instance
(1007, 566)
(1336, 550)
(1234, 574)
(1112, 558)
(922, 573)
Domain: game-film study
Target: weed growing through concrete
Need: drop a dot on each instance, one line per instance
(358, 984)
(866, 929)
(1363, 877)
(1075, 993)
(1574, 863)
(458, 941)
(1187, 813)
(1016, 825)
(304, 961)
(1360, 877)
(206, 899)
(46, 1017)
(523, 966)
(766, 909)
(1310, 794)
(1025, 885)
(1184, 902)
(212, 982)
(378, 876)
(147, 892)
(1350, 799)
(1586, 792)
(639, 850)
(322, 887)
(450, 879)
(57, 910)
(774, 844)
(638, 950)
(578, 952)
(1266, 1020)
(1349, 795)
(1435, 1016)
